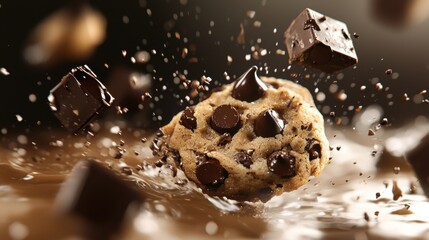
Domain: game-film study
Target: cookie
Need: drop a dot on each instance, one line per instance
(255, 138)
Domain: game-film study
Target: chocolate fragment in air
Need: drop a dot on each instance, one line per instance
(419, 160)
(320, 42)
(225, 119)
(188, 119)
(314, 149)
(97, 195)
(243, 158)
(210, 173)
(249, 87)
(282, 164)
(268, 124)
(79, 98)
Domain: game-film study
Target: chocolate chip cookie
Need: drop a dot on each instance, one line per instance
(255, 138)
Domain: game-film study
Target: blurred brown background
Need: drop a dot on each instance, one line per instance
(390, 37)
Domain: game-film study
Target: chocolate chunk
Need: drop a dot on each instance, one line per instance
(225, 119)
(248, 87)
(243, 158)
(211, 173)
(324, 45)
(314, 149)
(188, 119)
(282, 164)
(268, 124)
(97, 195)
(419, 160)
(79, 98)
(399, 13)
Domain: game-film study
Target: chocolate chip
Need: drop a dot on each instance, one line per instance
(224, 139)
(314, 149)
(243, 158)
(94, 193)
(268, 124)
(418, 158)
(282, 164)
(188, 119)
(79, 98)
(211, 173)
(225, 119)
(248, 87)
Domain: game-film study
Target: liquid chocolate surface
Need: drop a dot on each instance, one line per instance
(350, 199)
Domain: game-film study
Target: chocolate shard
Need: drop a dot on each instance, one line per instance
(225, 119)
(210, 173)
(79, 98)
(419, 160)
(249, 87)
(282, 164)
(98, 196)
(320, 42)
(188, 119)
(268, 124)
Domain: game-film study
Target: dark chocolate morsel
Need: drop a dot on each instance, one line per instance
(268, 124)
(188, 119)
(314, 149)
(210, 173)
(419, 160)
(320, 42)
(225, 119)
(282, 164)
(97, 195)
(249, 87)
(79, 98)
(224, 139)
(243, 158)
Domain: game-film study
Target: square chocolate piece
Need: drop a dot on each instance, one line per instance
(320, 42)
(79, 98)
(97, 195)
(419, 160)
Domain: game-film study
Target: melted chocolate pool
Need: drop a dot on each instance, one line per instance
(350, 200)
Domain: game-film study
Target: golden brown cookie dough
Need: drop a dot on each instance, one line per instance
(256, 137)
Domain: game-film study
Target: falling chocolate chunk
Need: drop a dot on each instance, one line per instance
(225, 119)
(323, 45)
(95, 194)
(314, 149)
(282, 164)
(243, 158)
(188, 119)
(419, 160)
(79, 98)
(268, 124)
(249, 87)
(210, 173)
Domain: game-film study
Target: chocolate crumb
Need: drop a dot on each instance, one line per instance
(366, 217)
(397, 192)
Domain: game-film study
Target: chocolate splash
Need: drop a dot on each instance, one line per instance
(249, 87)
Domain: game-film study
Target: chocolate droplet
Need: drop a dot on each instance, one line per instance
(243, 158)
(188, 119)
(281, 164)
(268, 124)
(211, 173)
(314, 149)
(249, 87)
(225, 119)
